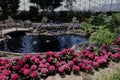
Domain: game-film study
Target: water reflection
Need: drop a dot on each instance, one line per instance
(27, 44)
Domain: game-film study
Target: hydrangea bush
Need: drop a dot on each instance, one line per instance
(35, 66)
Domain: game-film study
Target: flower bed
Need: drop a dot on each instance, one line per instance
(35, 66)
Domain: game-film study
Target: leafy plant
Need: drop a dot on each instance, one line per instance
(44, 19)
(113, 22)
(103, 36)
(97, 20)
(86, 27)
(74, 19)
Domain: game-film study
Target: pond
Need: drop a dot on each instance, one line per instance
(39, 43)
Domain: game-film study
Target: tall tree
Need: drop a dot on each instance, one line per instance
(47, 4)
(9, 7)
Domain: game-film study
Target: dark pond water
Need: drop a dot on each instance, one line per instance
(41, 43)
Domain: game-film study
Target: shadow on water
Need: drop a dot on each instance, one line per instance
(39, 43)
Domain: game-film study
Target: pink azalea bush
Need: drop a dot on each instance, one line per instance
(33, 66)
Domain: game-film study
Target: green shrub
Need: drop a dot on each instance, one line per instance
(97, 20)
(74, 19)
(86, 27)
(103, 36)
(113, 23)
(44, 19)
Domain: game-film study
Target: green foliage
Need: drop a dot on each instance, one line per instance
(113, 23)
(97, 20)
(44, 19)
(9, 7)
(86, 27)
(74, 19)
(47, 4)
(33, 11)
(103, 36)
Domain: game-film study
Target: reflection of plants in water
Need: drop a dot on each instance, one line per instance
(5, 45)
(26, 44)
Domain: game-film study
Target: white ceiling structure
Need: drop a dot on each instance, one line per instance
(84, 5)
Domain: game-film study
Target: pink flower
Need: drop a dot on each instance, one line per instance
(33, 58)
(3, 67)
(104, 51)
(50, 59)
(20, 62)
(110, 53)
(66, 66)
(106, 57)
(47, 54)
(37, 60)
(24, 60)
(50, 53)
(95, 64)
(16, 59)
(63, 62)
(89, 48)
(103, 46)
(85, 61)
(92, 46)
(22, 69)
(38, 56)
(14, 76)
(75, 68)
(6, 72)
(57, 55)
(84, 51)
(2, 77)
(43, 61)
(52, 68)
(26, 72)
(27, 56)
(2, 62)
(47, 65)
(44, 71)
(116, 55)
(83, 66)
(70, 63)
(41, 65)
(71, 50)
(101, 60)
(96, 58)
(26, 66)
(64, 51)
(61, 69)
(34, 74)
(57, 64)
(80, 54)
(33, 67)
(89, 67)
(17, 67)
(75, 60)
(8, 65)
(75, 54)
(91, 56)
